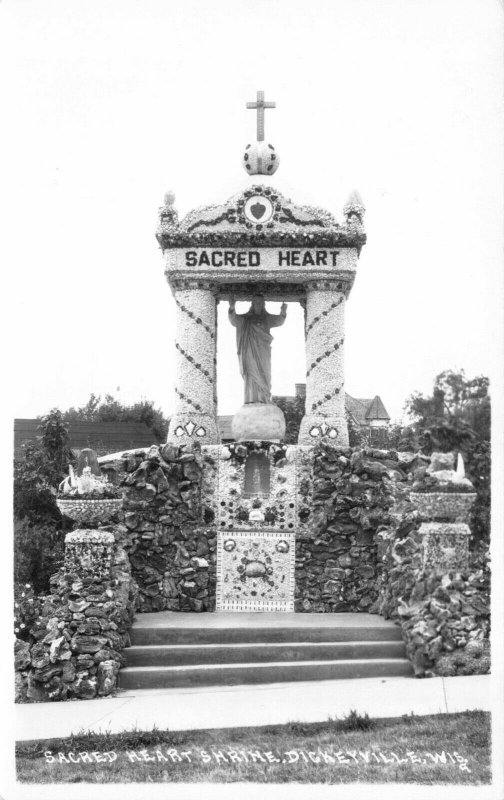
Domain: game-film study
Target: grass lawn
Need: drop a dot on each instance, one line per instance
(444, 748)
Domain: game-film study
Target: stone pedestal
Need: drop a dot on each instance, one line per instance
(325, 389)
(195, 413)
(445, 534)
(88, 553)
(260, 422)
(445, 545)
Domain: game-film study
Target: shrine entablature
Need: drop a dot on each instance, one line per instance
(261, 242)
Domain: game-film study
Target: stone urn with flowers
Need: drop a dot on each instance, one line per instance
(86, 496)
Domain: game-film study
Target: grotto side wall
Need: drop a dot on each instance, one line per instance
(337, 565)
(173, 505)
(171, 550)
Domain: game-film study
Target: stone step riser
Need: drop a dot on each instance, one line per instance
(169, 655)
(172, 635)
(232, 675)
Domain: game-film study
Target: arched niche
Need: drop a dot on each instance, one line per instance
(257, 475)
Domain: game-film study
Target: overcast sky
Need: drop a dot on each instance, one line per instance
(109, 104)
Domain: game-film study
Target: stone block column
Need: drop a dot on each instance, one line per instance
(325, 373)
(195, 386)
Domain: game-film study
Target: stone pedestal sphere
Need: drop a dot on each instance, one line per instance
(258, 421)
(260, 158)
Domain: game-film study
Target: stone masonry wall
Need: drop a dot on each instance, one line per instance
(171, 551)
(336, 563)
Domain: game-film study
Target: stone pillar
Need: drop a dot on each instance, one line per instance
(325, 374)
(195, 341)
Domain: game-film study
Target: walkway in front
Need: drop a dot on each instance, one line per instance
(248, 706)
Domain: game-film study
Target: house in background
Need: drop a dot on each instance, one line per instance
(368, 415)
(103, 437)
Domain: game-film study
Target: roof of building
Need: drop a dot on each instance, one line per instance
(113, 436)
(363, 410)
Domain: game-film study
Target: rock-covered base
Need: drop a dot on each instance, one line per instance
(75, 647)
(444, 615)
(359, 548)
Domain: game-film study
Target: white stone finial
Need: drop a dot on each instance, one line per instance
(460, 467)
(169, 198)
(354, 206)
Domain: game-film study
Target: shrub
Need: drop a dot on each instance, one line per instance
(356, 722)
(38, 552)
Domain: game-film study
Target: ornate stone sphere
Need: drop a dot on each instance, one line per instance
(258, 422)
(260, 158)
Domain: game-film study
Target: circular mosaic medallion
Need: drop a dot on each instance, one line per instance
(283, 546)
(229, 545)
(258, 209)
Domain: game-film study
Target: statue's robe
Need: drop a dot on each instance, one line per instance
(253, 340)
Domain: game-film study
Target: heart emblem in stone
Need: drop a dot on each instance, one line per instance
(258, 210)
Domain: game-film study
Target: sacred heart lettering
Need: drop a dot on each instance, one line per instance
(258, 210)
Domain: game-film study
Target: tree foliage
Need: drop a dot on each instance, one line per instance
(112, 410)
(456, 417)
(38, 471)
(293, 410)
(38, 526)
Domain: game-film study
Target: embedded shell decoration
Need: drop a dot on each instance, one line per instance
(84, 510)
(226, 224)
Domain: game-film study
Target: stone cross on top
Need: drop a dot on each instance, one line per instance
(260, 105)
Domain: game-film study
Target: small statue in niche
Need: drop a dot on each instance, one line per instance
(253, 340)
(257, 476)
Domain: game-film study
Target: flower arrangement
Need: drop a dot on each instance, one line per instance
(89, 498)
(440, 476)
(87, 486)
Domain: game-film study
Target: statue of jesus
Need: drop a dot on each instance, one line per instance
(253, 341)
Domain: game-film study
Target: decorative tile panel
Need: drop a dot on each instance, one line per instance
(255, 571)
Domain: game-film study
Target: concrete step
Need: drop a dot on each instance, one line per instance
(156, 677)
(252, 652)
(237, 634)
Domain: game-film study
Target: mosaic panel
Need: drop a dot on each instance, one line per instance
(255, 571)
(286, 508)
